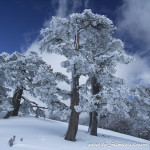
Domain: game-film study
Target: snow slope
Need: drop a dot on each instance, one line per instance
(44, 134)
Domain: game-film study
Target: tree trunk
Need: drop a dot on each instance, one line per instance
(93, 128)
(74, 117)
(93, 115)
(90, 121)
(9, 113)
(16, 101)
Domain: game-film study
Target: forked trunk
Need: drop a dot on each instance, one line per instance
(74, 117)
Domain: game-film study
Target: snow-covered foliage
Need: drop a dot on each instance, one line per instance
(99, 53)
(59, 111)
(140, 111)
(44, 84)
(2, 79)
(45, 87)
(136, 120)
(116, 122)
(4, 100)
(141, 100)
(20, 69)
(26, 108)
(85, 39)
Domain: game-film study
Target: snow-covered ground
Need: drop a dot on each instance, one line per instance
(44, 134)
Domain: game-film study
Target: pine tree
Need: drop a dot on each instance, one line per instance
(31, 74)
(101, 52)
(62, 37)
(20, 72)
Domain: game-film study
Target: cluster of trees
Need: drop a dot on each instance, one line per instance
(86, 40)
(135, 120)
(87, 43)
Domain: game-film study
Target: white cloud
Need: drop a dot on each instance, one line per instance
(33, 47)
(62, 8)
(135, 22)
(86, 3)
(76, 4)
(65, 7)
(135, 73)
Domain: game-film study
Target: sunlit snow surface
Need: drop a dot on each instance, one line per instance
(44, 134)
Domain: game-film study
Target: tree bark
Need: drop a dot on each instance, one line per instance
(90, 121)
(95, 87)
(74, 117)
(16, 101)
(93, 128)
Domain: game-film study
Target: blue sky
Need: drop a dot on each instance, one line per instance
(22, 20)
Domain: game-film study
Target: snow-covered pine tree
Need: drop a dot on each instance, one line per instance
(110, 100)
(63, 37)
(21, 71)
(100, 53)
